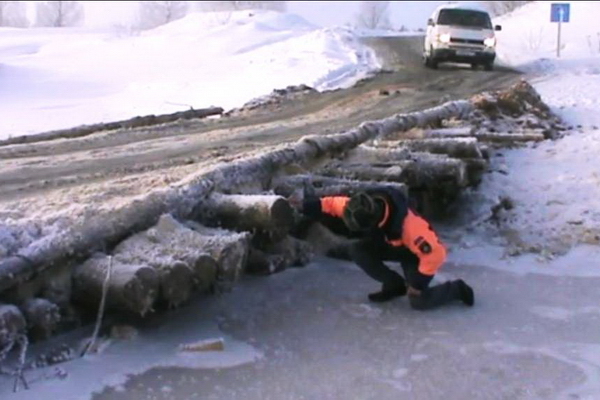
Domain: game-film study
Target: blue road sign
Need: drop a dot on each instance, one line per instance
(559, 12)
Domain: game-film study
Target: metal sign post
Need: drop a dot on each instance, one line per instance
(559, 12)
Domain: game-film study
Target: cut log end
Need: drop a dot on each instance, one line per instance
(12, 324)
(176, 283)
(42, 318)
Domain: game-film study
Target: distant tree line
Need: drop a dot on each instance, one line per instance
(13, 14)
(376, 14)
(497, 8)
(150, 13)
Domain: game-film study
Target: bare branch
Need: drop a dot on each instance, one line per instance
(157, 13)
(13, 13)
(374, 14)
(59, 14)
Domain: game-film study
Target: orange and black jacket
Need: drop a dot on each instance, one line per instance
(401, 226)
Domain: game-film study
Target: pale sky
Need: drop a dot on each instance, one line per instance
(412, 14)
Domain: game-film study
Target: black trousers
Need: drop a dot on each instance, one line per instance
(370, 254)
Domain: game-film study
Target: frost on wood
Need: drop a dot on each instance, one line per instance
(247, 212)
(132, 287)
(42, 317)
(268, 257)
(229, 249)
(328, 186)
(12, 324)
(452, 147)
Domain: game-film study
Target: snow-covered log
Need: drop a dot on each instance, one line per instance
(135, 122)
(229, 249)
(247, 212)
(205, 272)
(514, 101)
(423, 173)
(176, 281)
(176, 277)
(297, 253)
(132, 287)
(329, 186)
(278, 256)
(476, 167)
(509, 138)
(447, 133)
(42, 317)
(12, 324)
(452, 147)
(105, 229)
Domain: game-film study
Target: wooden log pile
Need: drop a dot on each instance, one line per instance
(205, 233)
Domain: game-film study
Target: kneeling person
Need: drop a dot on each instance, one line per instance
(392, 231)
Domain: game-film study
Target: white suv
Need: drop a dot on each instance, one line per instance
(460, 34)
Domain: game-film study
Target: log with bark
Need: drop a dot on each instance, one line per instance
(328, 186)
(246, 212)
(452, 147)
(441, 172)
(325, 242)
(229, 249)
(136, 122)
(12, 324)
(510, 138)
(176, 277)
(132, 287)
(42, 318)
(105, 229)
(447, 133)
(277, 256)
(516, 100)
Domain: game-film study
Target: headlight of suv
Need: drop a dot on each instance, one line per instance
(490, 42)
(444, 38)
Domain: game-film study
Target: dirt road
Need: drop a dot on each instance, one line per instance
(130, 161)
(49, 177)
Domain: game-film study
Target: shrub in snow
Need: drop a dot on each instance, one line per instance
(156, 13)
(59, 14)
(13, 14)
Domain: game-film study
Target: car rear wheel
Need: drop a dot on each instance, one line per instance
(474, 66)
(489, 66)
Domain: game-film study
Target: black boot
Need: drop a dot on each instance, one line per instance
(465, 293)
(388, 293)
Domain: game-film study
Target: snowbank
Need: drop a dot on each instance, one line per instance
(528, 36)
(60, 78)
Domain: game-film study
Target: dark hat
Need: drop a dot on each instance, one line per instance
(361, 212)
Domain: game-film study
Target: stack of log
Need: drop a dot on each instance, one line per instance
(514, 116)
(203, 235)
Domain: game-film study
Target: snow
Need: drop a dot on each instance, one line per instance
(533, 331)
(73, 76)
(528, 39)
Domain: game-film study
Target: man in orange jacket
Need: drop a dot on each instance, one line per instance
(392, 231)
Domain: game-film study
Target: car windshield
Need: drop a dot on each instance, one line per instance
(467, 18)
